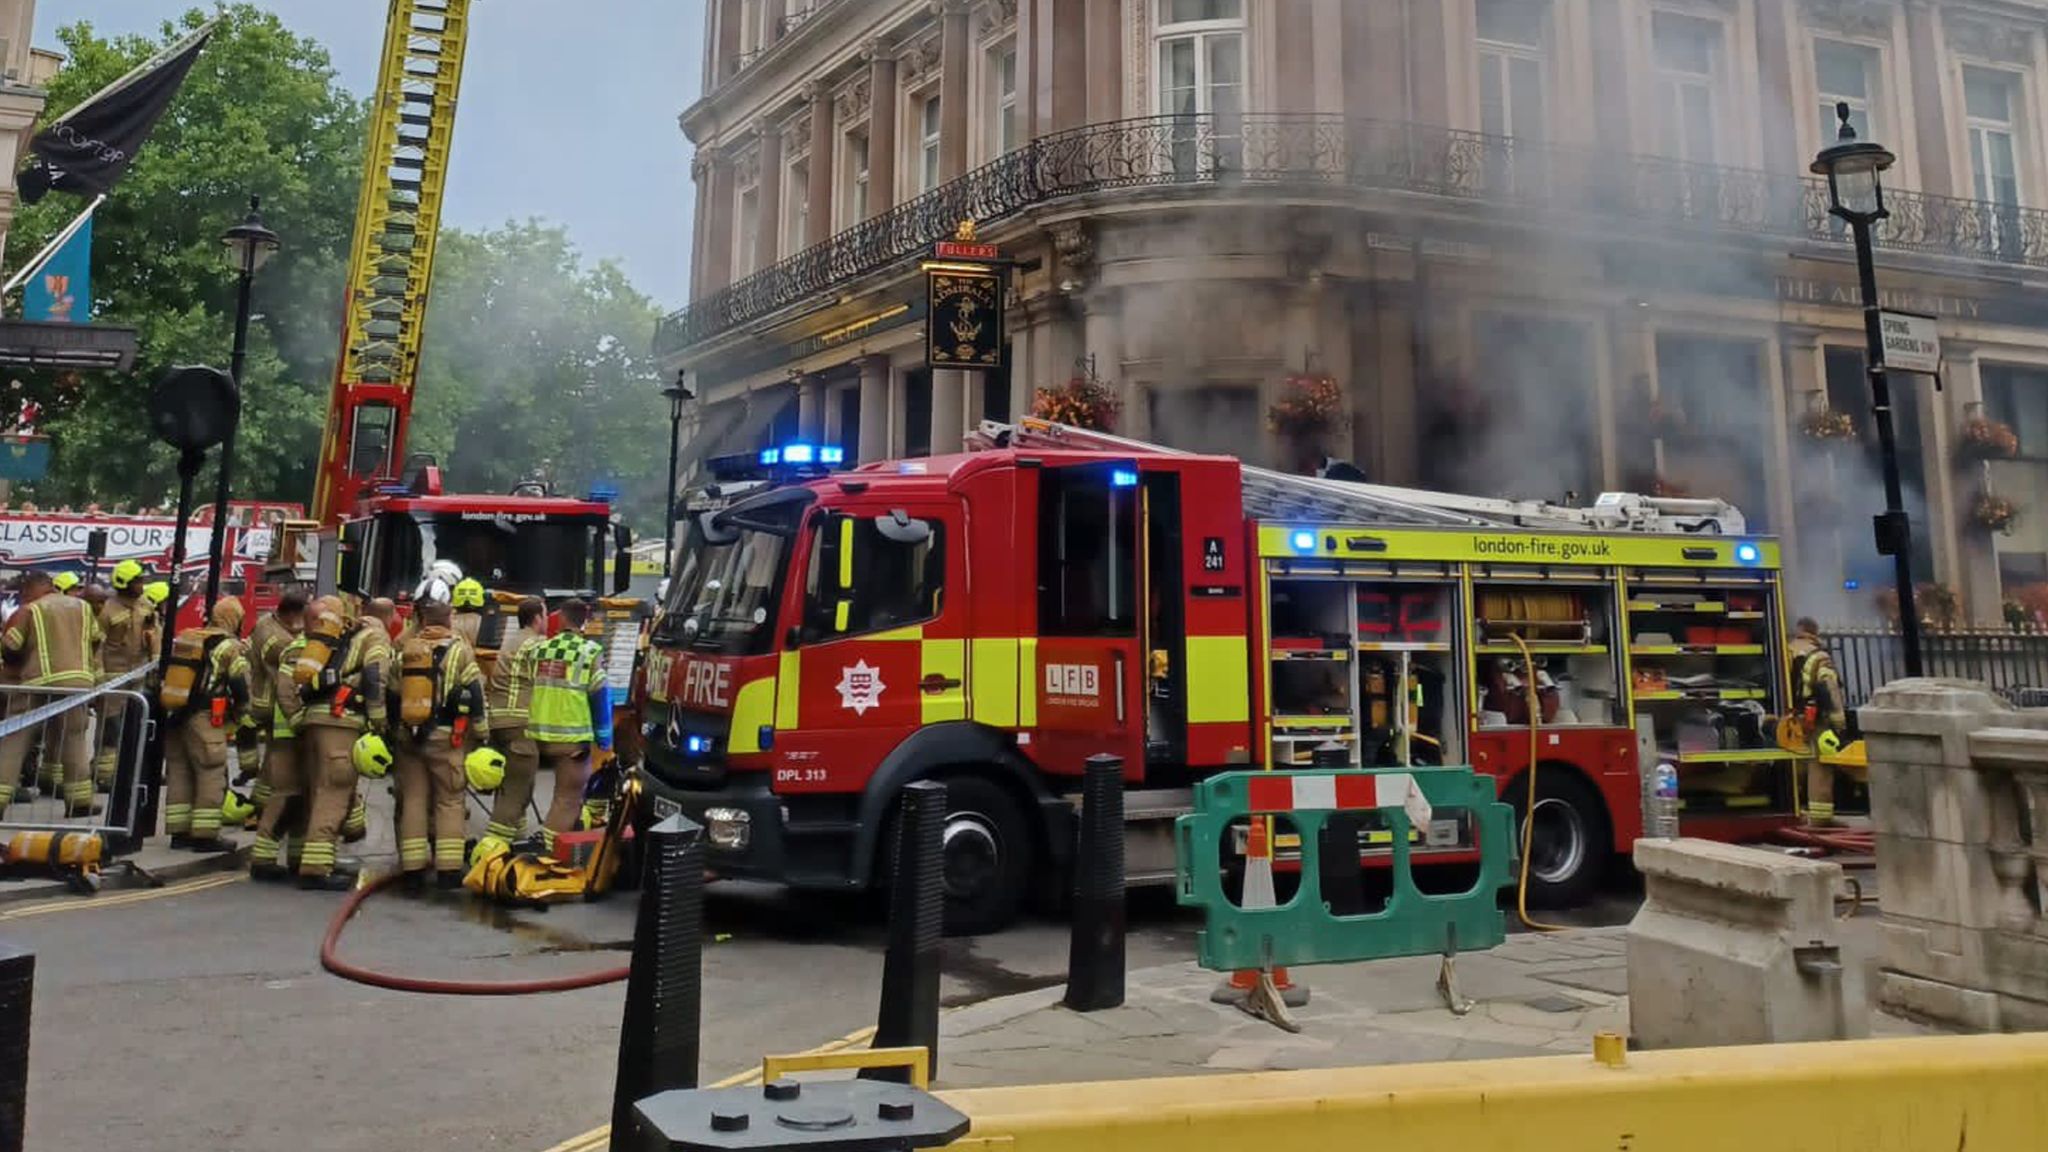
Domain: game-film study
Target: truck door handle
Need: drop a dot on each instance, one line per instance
(937, 683)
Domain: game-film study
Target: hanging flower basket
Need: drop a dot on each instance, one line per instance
(1826, 425)
(2027, 606)
(1938, 604)
(1082, 402)
(1993, 513)
(1308, 407)
(1986, 439)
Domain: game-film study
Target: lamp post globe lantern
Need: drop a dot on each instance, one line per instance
(248, 246)
(1855, 173)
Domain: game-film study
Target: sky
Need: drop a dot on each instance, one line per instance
(573, 125)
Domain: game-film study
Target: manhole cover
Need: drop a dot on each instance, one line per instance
(1555, 1004)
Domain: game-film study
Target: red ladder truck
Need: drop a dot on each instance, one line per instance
(996, 617)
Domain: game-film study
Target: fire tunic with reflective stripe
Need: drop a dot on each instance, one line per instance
(52, 641)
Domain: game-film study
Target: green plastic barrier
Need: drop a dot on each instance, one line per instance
(1303, 929)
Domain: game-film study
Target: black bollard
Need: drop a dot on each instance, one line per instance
(909, 1015)
(1095, 949)
(17, 989)
(658, 1037)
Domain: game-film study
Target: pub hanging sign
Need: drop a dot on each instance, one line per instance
(964, 324)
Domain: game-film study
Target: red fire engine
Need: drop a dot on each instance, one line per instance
(997, 617)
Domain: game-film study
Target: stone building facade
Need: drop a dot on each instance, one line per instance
(1546, 247)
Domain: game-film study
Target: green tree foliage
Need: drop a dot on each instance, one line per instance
(534, 363)
(260, 113)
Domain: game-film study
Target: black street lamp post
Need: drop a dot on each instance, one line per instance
(1855, 174)
(249, 245)
(677, 395)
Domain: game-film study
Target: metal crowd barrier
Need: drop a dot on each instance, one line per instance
(47, 734)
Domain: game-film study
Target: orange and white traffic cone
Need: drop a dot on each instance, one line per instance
(1265, 992)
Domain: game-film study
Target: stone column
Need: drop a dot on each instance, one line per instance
(881, 128)
(1774, 66)
(1327, 33)
(1026, 361)
(835, 428)
(1387, 441)
(771, 24)
(897, 412)
(1102, 337)
(1926, 54)
(728, 38)
(1294, 56)
(1428, 63)
(700, 176)
(810, 408)
(1375, 65)
(1612, 92)
(1778, 479)
(874, 408)
(1103, 51)
(1061, 64)
(955, 57)
(824, 157)
(768, 197)
(949, 409)
(1813, 474)
(1027, 68)
(717, 255)
(1973, 555)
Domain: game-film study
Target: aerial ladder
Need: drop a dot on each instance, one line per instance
(391, 258)
(1282, 496)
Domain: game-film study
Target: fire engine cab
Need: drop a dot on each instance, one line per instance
(994, 618)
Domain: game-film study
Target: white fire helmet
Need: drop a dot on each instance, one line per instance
(439, 585)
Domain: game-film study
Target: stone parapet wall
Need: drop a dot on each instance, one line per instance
(1959, 799)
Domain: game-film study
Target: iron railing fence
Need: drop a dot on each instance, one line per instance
(1321, 154)
(2013, 663)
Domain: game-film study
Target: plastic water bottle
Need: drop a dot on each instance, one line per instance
(1663, 804)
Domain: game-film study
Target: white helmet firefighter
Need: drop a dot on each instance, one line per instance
(439, 585)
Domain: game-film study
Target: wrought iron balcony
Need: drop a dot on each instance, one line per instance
(1322, 155)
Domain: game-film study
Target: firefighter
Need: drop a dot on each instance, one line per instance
(437, 693)
(283, 813)
(571, 710)
(50, 643)
(1817, 699)
(267, 642)
(509, 698)
(204, 694)
(66, 582)
(128, 629)
(468, 599)
(339, 673)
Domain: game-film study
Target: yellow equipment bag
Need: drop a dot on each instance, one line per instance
(323, 653)
(524, 878)
(419, 682)
(188, 679)
(74, 856)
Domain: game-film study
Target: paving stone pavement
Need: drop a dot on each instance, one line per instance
(1534, 995)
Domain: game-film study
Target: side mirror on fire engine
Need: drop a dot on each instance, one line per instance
(716, 532)
(622, 559)
(899, 528)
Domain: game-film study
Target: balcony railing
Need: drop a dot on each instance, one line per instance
(1322, 154)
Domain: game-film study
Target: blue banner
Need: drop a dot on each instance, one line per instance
(61, 293)
(24, 458)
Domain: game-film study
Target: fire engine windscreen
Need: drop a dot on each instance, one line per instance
(723, 598)
(552, 556)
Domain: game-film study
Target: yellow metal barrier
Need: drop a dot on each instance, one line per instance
(916, 1059)
(1933, 1094)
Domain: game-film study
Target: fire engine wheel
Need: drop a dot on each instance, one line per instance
(1571, 841)
(987, 851)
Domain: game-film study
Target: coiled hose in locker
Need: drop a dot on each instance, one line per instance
(1529, 816)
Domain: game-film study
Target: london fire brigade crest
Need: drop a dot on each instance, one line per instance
(860, 687)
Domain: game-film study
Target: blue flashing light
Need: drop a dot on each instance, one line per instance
(831, 455)
(604, 494)
(770, 457)
(799, 454)
(1124, 478)
(1303, 541)
(1747, 553)
(1852, 585)
(697, 745)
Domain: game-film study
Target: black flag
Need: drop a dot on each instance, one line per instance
(88, 149)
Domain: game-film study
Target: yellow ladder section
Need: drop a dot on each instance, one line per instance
(398, 217)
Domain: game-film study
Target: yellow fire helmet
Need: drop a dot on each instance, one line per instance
(64, 581)
(485, 768)
(157, 592)
(372, 756)
(468, 594)
(236, 808)
(1829, 744)
(489, 848)
(125, 573)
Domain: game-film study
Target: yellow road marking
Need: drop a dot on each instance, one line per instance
(118, 899)
(598, 1138)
